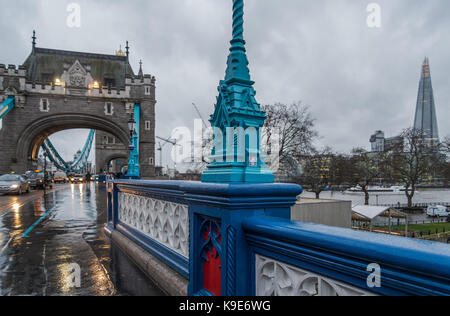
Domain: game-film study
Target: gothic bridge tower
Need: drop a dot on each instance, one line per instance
(57, 90)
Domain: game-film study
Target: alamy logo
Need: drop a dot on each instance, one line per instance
(74, 275)
(74, 17)
(374, 279)
(374, 18)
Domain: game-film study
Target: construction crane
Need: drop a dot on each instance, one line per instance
(200, 115)
(161, 146)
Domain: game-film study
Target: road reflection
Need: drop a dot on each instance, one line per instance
(65, 246)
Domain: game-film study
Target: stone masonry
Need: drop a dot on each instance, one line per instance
(57, 90)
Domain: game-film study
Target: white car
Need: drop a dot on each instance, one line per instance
(437, 211)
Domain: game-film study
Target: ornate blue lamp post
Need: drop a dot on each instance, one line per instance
(133, 161)
(237, 120)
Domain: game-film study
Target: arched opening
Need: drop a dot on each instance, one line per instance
(32, 137)
(116, 163)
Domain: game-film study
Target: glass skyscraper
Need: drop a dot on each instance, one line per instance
(426, 118)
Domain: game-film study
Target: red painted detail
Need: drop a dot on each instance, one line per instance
(212, 276)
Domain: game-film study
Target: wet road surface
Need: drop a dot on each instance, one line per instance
(54, 244)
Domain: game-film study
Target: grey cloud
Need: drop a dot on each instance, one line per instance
(354, 79)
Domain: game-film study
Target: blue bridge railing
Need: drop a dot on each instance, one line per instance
(238, 240)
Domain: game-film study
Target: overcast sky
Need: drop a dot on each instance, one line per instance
(355, 79)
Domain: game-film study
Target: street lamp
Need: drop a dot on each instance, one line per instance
(131, 127)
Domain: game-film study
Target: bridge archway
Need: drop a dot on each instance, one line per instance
(34, 134)
(115, 156)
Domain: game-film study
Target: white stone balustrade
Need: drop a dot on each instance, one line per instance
(165, 222)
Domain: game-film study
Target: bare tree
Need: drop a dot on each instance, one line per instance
(343, 170)
(366, 169)
(317, 170)
(418, 159)
(295, 127)
(444, 166)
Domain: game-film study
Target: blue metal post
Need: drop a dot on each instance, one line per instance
(134, 171)
(238, 119)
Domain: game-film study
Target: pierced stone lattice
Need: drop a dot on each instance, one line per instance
(163, 221)
(275, 278)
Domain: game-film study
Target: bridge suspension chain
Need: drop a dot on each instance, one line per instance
(61, 164)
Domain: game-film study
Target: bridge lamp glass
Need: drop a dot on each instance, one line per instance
(131, 125)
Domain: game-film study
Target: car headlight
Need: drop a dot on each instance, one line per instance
(14, 186)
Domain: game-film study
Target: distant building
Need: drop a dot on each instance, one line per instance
(379, 143)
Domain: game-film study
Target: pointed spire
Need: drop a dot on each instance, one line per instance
(426, 68)
(141, 73)
(34, 39)
(238, 21)
(127, 50)
(237, 69)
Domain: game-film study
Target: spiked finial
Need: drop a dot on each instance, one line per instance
(127, 50)
(238, 21)
(141, 72)
(34, 39)
(237, 69)
(426, 68)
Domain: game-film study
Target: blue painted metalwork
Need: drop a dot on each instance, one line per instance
(255, 219)
(408, 266)
(59, 162)
(230, 204)
(7, 106)
(227, 204)
(134, 171)
(238, 114)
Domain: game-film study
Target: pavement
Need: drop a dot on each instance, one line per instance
(54, 244)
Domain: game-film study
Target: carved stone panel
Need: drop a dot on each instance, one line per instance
(275, 278)
(77, 76)
(165, 222)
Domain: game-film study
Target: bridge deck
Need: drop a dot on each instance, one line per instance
(64, 230)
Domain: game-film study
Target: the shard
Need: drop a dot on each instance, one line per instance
(426, 118)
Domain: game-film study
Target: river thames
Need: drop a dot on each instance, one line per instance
(422, 196)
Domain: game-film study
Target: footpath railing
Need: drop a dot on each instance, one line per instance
(238, 240)
(415, 205)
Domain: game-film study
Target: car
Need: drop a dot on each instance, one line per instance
(77, 178)
(39, 181)
(12, 183)
(437, 211)
(60, 177)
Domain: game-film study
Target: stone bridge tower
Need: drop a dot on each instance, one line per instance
(58, 90)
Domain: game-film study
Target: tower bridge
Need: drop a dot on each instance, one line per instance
(56, 90)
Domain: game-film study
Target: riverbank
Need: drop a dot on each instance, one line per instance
(422, 196)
